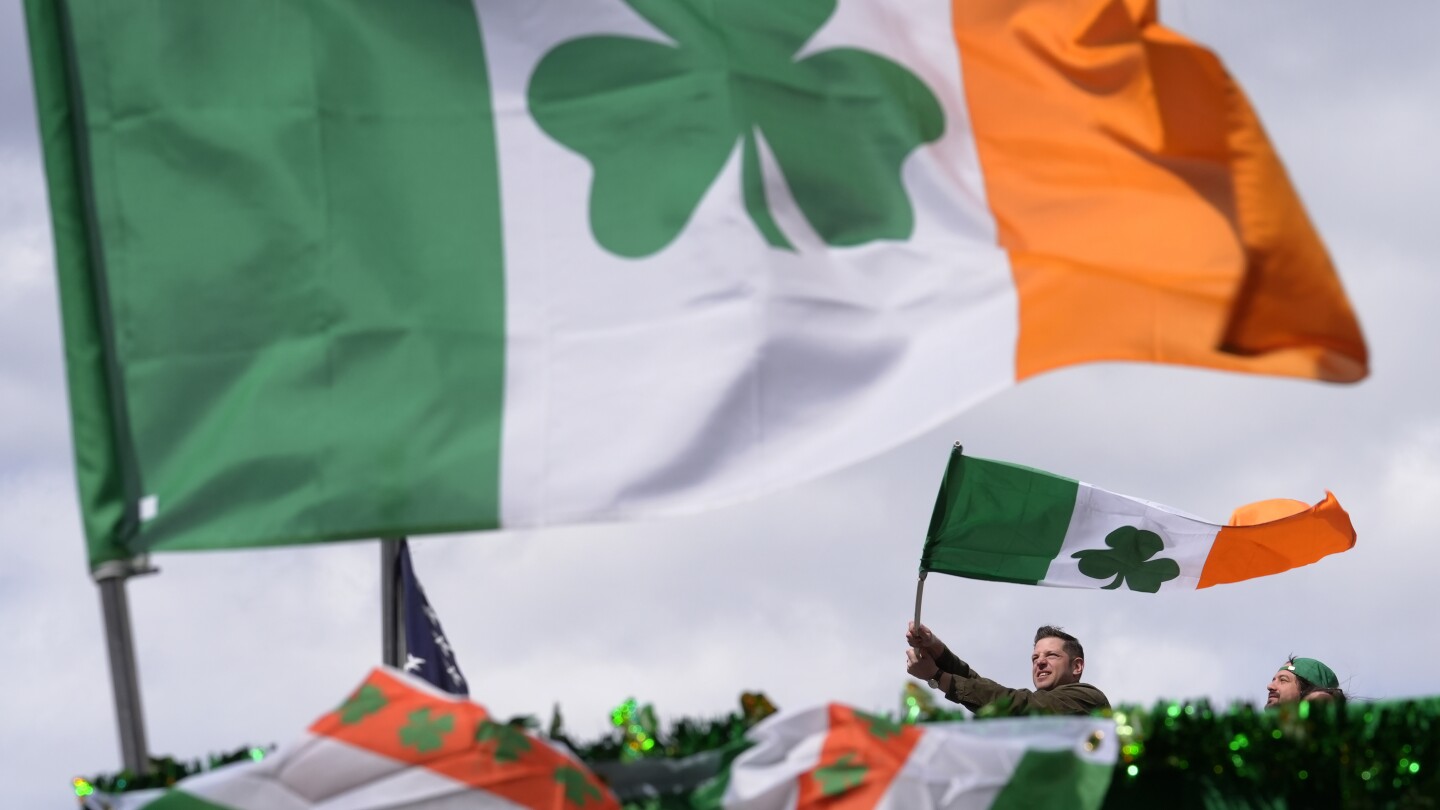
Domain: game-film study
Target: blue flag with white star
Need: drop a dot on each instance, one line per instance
(428, 652)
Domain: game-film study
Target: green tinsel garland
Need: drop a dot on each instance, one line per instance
(1369, 755)
(164, 772)
(1188, 755)
(1174, 755)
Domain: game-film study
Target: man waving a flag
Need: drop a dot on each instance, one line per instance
(1056, 665)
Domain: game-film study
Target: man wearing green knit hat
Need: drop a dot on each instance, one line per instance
(1303, 679)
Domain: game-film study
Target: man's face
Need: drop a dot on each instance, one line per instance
(1283, 688)
(1050, 666)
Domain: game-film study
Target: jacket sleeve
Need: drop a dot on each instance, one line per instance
(1072, 698)
(951, 663)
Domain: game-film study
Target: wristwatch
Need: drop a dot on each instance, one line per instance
(935, 681)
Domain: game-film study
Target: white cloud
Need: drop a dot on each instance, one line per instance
(54, 687)
(1411, 487)
(33, 424)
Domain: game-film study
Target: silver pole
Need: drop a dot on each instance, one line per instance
(124, 675)
(393, 652)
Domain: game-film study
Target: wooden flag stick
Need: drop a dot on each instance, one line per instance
(919, 594)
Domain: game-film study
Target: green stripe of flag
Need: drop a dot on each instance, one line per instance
(180, 800)
(279, 233)
(95, 429)
(1058, 780)
(997, 521)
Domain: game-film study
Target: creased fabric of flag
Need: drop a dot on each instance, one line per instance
(838, 758)
(395, 742)
(999, 521)
(338, 270)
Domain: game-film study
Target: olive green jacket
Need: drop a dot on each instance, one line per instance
(972, 691)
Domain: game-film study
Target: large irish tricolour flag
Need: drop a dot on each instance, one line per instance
(337, 269)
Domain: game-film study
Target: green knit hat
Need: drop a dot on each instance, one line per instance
(1314, 672)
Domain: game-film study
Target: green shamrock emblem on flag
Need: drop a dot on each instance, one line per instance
(846, 773)
(367, 700)
(880, 727)
(658, 120)
(425, 733)
(510, 742)
(1129, 561)
(576, 786)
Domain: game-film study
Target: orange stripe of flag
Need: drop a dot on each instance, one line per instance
(394, 726)
(383, 706)
(1248, 551)
(1146, 215)
(860, 757)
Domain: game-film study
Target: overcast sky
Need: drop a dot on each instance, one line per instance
(805, 594)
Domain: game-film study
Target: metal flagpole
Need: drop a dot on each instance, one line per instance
(124, 675)
(391, 622)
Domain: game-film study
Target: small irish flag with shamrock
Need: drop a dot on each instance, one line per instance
(396, 741)
(1009, 523)
(837, 758)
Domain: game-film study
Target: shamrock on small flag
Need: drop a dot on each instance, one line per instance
(424, 733)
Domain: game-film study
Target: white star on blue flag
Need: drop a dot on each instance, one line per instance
(429, 653)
